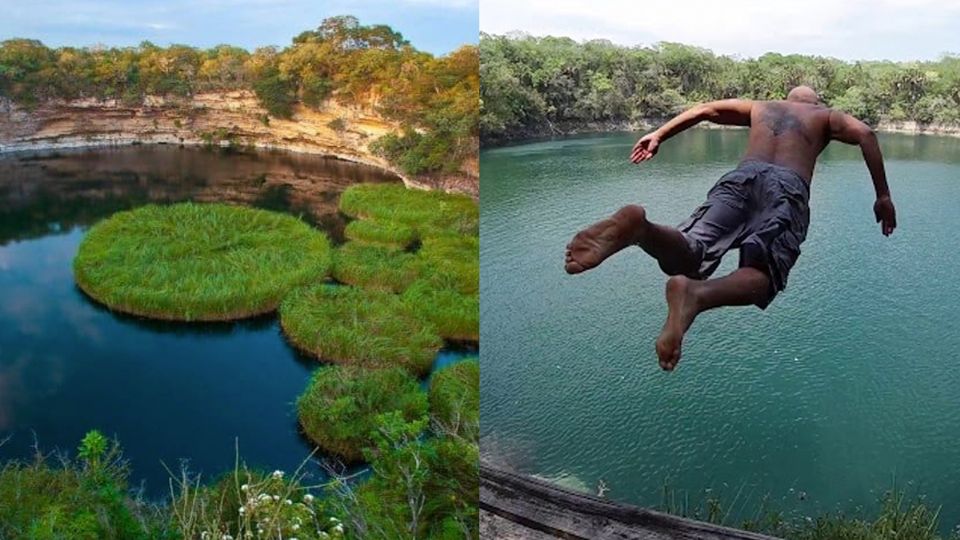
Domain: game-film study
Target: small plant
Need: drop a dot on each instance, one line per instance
(375, 267)
(337, 124)
(93, 447)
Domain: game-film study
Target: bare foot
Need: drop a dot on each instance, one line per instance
(682, 309)
(593, 245)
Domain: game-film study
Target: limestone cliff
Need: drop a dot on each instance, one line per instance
(224, 118)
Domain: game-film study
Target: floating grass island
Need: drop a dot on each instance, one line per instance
(430, 213)
(199, 262)
(339, 409)
(381, 233)
(454, 316)
(361, 327)
(455, 398)
(375, 267)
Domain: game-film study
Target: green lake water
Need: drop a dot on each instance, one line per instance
(849, 382)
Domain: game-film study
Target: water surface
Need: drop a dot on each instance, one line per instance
(168, 391)
(845, 385)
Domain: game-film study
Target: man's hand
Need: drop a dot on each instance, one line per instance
(645, 148)
(886, 215)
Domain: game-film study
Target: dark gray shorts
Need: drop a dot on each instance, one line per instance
(760, 208)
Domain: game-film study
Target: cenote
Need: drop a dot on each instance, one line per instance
(167, 391)
(844, 387)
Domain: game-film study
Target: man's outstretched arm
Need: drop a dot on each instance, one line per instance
(735, 112)
(848, 129)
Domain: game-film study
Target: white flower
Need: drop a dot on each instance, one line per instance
(288, 502)
(276, 498)
(334, 520)
(264, 497)
(339, 528)
(242, 510)
(295, 527)
(278, 474)
(244, 487)
(308, 498)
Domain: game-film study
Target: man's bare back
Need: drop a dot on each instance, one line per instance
(760, 208)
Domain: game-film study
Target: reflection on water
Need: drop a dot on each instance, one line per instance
(53, 191)
(168, 391)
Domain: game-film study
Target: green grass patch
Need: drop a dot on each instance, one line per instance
(451, 263)
(454, 315)
(340, 408)
(194, 261)
(355, 326)
(375, 267)
(431, 213)
(385, 233)
(455, 399)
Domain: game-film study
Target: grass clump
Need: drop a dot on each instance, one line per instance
(85, 499)
(431, 213)
(341, 407)
(375, 267)
(194, 261)
(383, 233)
(455, 399)
(362, 327)
(454, 315)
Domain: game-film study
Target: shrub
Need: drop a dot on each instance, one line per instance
(430, 213)
(340, 408)
(455, 399)
(383, 233)
(452, 314)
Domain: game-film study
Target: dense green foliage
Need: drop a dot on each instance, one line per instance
(391, 233)
(341, 406)
(439, 281)
(375, 267)
(433, 98)
(430, 213)
(533, 85)
(421, 488)
(85, 499)
(193, 261)
(455, 399)
(355, 326)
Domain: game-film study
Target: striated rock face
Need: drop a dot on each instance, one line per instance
(226, 118)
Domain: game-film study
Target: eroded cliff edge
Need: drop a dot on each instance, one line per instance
(224, 118)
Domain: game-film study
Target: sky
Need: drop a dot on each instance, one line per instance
(850, 30)
(436, 26)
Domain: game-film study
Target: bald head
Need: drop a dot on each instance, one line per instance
(803, 94)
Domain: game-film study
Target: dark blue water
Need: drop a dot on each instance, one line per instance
(167, 391)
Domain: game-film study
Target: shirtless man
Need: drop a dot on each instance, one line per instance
(761, 208)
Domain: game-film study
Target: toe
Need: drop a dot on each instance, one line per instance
(573, 267)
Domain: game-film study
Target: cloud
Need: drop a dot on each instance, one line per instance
(854, 29)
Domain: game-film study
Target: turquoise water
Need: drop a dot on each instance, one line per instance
(846, 384)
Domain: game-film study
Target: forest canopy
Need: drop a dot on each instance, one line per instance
(540, 85)
(433, 98)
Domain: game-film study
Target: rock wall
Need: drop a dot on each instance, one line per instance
(224, 118)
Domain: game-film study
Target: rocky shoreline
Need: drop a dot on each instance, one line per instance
(581, 128)
(214, 119)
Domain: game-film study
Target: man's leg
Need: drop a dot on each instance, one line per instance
(629, 226)
(687, 298)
